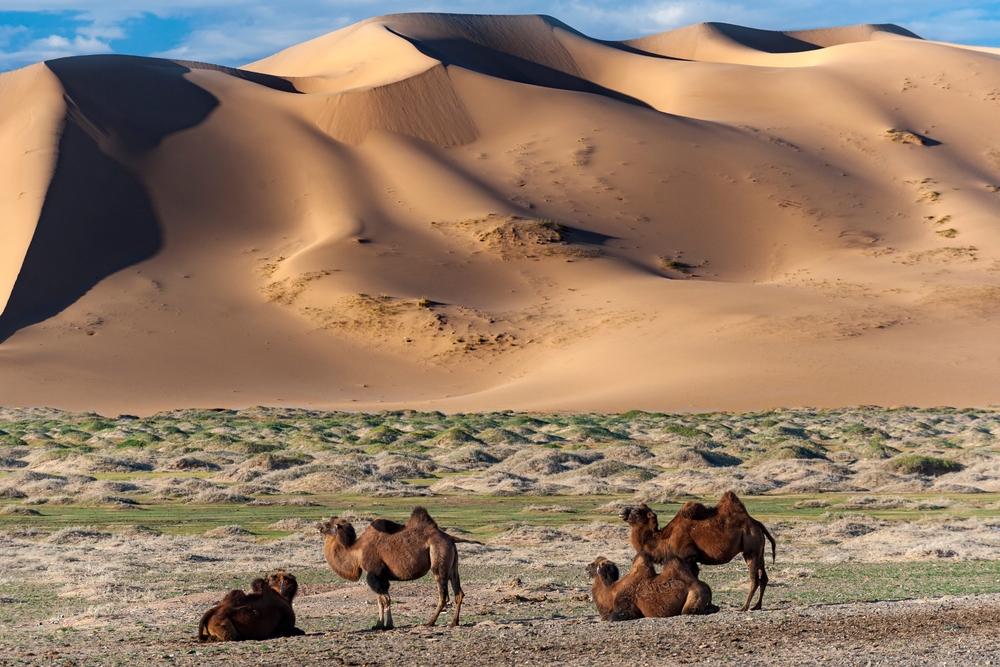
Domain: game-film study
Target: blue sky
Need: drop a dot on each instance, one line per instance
(235, 32)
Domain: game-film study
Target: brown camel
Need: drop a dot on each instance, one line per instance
(261, 614)
(643, 593)
(388, 551)
(709, 535)
(287, 587)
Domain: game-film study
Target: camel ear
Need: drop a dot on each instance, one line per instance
(334, 530)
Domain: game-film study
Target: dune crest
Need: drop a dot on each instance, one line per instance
(725, 42)
(469, 212)
(424, 106)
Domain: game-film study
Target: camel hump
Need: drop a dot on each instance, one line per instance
(234, 597)
(695, 511)
(731, 505)
(420, 517)
(387, 526)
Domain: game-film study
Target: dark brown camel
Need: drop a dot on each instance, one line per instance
(388, 551)
(287, 587)
(708, 535)
(261, 614)
(643, 593)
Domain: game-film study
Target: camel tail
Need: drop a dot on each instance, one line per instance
(458, 540)
(768, 536)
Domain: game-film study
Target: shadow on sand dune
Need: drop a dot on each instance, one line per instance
(97, 217)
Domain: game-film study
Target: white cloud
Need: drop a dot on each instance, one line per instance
(50, 47)
(249, 38)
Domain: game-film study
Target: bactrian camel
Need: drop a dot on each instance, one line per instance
(388, 551)
(708, 535)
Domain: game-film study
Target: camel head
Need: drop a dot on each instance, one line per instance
(340, 530)
(640, 516)
(605, 569)
(284, 584)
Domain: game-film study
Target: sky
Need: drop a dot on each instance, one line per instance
(236, 32)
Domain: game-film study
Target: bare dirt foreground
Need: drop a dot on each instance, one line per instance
(79, 597)
(950, 630)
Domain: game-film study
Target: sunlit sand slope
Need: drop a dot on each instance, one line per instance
(472, 212)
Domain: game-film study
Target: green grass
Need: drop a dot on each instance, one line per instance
(924, 465)
(825, 583)
(484, 516)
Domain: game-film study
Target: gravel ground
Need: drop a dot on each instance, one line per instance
(952, 630)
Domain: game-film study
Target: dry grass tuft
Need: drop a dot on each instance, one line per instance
(228, 531)
(18, 510)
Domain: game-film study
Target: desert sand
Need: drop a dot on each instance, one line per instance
(467, 212)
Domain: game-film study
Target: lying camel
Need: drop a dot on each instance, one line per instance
(388, 551)
(265, 613)
(643, 593)
(709, 535)
(285, 584)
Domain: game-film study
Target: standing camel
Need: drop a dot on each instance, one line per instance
(388, 551)
(709, 535)
(643, 593)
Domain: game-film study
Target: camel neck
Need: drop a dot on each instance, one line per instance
(344, 560)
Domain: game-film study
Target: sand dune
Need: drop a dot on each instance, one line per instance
(724, 42)
(472, 212)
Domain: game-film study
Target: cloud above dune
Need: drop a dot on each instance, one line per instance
(235, 32)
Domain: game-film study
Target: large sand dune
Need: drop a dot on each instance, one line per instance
(471, 212)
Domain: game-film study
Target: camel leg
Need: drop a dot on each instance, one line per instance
(224, 631)
(380, 586)
(752, 565)
(699, 597)
(763, 584)
(442, 583)
(387, 603)
(456, 586)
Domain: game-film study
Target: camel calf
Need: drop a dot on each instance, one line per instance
(264, 613)
(643, 593)
(709, 535)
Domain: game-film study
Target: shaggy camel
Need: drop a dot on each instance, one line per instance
(287, 587)
(388, 551)
(643, 593)
(709, 535)
(266, 612)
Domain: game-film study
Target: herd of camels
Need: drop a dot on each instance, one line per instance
(389, 551)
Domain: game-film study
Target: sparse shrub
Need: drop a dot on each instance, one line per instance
(228, 531)
(255, 447)
(912, 464)
(18, 510)
(8, 440)
(685, 431)
(452, 437)
(799, 450)
(97, 424)
(220, 497)
(380, 435)
(293, 526)
(877, 449)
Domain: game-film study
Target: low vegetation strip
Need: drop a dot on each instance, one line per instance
(266, 456)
